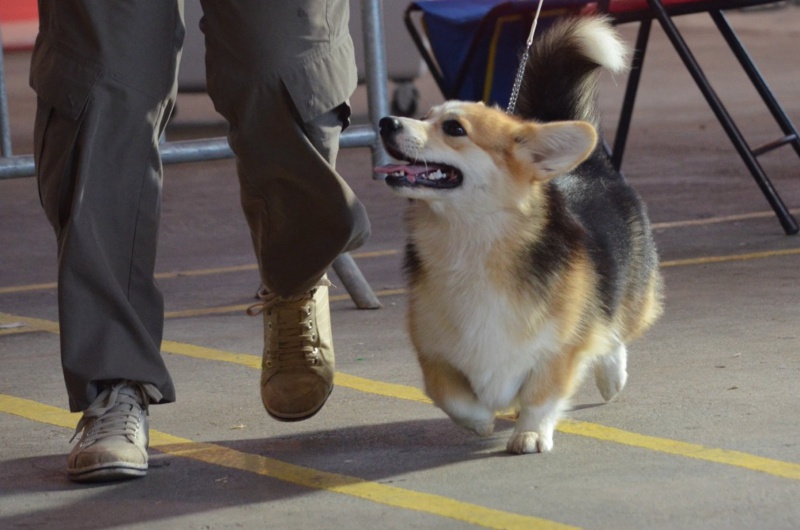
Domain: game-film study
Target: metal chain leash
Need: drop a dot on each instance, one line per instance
(512, 102)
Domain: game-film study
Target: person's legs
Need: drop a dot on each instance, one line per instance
(104, 73)
(281, 73)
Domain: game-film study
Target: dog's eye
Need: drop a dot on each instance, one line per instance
(453, 128)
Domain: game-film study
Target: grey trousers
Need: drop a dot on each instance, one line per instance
(105, 75)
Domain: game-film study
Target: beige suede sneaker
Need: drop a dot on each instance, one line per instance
(114, 442)
(298, 363)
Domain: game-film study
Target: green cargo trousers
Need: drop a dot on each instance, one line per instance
(104, 71)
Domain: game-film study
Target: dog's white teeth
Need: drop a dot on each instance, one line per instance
(436, 175)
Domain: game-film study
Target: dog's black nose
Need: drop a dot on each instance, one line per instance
(389, 125)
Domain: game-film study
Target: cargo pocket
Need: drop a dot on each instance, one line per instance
(322, 79)
(63, 87)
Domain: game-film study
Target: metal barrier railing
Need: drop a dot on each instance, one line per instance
(177, 152)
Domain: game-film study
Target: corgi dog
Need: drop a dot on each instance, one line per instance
(529, 258)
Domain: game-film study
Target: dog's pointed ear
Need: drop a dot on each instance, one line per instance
(551, 149)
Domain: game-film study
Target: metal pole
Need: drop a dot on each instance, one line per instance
(5, 128)
(377, 77)
(357, 286)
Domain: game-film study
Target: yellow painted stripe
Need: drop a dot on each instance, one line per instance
(241, 308)
(718, 219)
(26, 288)
(719, 456)
(735, 257)
(591, 430)
(674, 447)
(208, 311)
(304, 476)
(391, 252)
(389, 292)
(375, 253)
(251, 361)
(11, 327)
(31, 324)
(196, 272)
(705, 260)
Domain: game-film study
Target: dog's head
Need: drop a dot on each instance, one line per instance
(479, 157)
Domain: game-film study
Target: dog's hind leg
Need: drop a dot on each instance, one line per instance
(611, 371)
(451, 391)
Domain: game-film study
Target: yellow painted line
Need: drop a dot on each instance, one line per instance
(590, 430)
(389, 292)
(705, 260)
(778, 468)
(195, 272)
(206, 272)
(719, 456)
(31, 324)
(353, 382)
(304, 476)
(26, 288)
(734, 257)
(241, 308)
(208, 311)
(392, 252)
(718, 219)
(11, 327)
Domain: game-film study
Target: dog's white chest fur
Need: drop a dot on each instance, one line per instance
(473, 317)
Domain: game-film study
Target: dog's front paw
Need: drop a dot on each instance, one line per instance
(529, 442)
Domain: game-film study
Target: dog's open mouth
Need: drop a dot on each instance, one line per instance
(412, 174)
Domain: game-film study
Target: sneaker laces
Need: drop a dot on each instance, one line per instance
(292, 340)
(116, 413)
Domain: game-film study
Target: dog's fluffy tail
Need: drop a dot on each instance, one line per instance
(560, 79)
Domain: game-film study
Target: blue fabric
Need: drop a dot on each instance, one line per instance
(452, 26)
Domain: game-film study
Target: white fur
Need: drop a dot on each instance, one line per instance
(602, 44)
(535, 426)
(465, 314)
(611, 371)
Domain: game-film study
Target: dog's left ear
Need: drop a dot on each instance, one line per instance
(551, 149)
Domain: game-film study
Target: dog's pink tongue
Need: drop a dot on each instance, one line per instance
(410, 170)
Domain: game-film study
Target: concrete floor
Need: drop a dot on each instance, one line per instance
(704, 436)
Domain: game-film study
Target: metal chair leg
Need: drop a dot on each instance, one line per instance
(357, 286)
(758, 81)
(788, 222)
(634, 76)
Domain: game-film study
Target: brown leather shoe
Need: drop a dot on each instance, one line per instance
(298, 363)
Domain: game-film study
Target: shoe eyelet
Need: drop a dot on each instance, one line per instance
(308, 310)
(310, 324)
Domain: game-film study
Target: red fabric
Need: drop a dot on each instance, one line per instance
(618, 7)
(18, 10)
